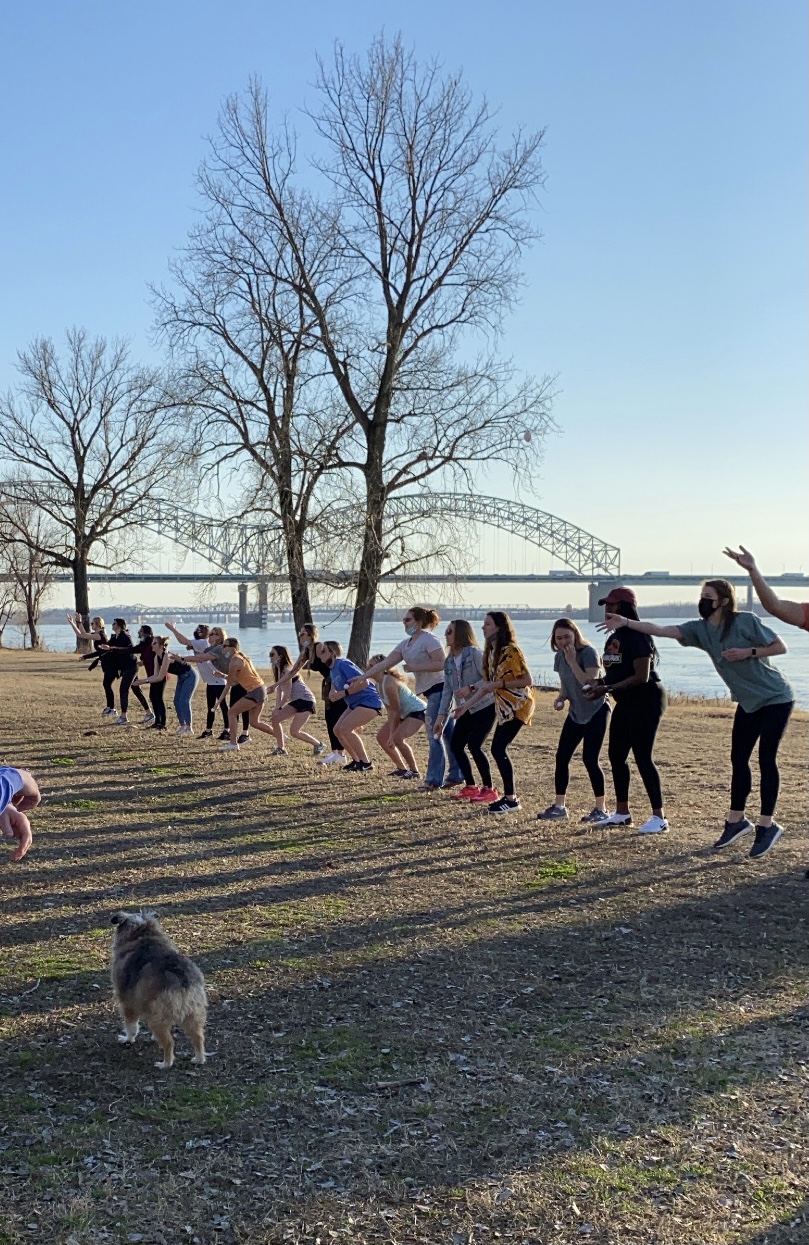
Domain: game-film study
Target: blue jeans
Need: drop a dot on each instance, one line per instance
(186, 686)
(439, 757)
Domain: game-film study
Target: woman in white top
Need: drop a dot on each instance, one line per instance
(213, 680)
(423, 655)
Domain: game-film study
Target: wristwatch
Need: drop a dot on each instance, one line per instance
(754, 652)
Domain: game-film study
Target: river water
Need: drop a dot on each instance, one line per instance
(684, 670)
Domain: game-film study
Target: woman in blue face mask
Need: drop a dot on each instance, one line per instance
(423, 655)
(740, 646)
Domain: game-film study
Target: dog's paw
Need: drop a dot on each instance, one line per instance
(198, 1059)
(163, 1064)
(125, 1037)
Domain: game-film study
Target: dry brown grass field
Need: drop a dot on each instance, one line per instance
(428, 1024)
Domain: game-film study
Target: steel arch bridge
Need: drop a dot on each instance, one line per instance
(253, 550)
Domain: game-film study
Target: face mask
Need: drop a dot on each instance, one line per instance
(411, 630)
(706, 607)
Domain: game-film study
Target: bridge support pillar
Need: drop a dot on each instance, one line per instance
(750, 595)
(262, 606)
(594, 610)
(243, 622)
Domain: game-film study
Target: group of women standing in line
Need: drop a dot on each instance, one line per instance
(463, 695)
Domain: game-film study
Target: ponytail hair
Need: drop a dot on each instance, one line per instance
(426, 618)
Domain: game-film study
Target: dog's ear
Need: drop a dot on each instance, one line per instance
(117, 918)
(149, 914)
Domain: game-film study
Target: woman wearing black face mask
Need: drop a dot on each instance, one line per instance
(640, 701)
(739, 646)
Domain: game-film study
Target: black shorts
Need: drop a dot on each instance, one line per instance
(301, 706)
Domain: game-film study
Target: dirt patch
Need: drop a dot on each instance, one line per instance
(428, 1024)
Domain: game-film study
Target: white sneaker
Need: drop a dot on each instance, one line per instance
(229, 748)
(618, 819)
(655, 825)
(333, 758)
(147, 719)
(186, 730)
(122, 720)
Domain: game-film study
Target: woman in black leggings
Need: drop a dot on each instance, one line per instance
(156, 679)
(740, 647)
(577, 664)
(629, 660)
(118, 661)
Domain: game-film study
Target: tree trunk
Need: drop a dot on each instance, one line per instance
(359, 645)
(298, 583)
(81, 595)
(31, 613)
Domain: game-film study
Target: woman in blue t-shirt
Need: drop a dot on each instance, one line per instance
(364, 704)
(740, 646)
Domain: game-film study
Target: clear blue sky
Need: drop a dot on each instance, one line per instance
(668, 293)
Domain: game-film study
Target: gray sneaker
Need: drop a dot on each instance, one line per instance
(596, 818)
(554, 812)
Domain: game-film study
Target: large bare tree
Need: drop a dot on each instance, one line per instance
(246, 341)
(425, 219)
(90, 438)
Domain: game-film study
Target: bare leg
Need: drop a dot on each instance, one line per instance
(406, 730)
(346, 729)
(255, 719)
(297, 731)
(278, 717)
(385, 740)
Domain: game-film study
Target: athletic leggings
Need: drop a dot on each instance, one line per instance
(126, 683)
(333, 711)
(236, 693)
(573, 733)
(156, 693)
(765, 726)
(633, 728)
(503, 737)
(471, 730)
(212, 693)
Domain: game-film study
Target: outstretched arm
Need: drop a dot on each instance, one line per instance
(788, 611)
(178, 635)
(613, 622)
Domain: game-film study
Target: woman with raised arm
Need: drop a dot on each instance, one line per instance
(214, 682)
(308, 659)
(243, 675)
(219, 657)
(630, 659)
(363, 704)
(740, 647)
(118, 661)
(463, 675)
(405, 718)
(294, 703)
(577, 664)
(423, 655)
(506, 676)
(98, 635)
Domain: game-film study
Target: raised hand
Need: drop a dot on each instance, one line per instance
(743, 557)
(612, 622)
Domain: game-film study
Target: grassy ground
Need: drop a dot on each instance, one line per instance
(428, 1024)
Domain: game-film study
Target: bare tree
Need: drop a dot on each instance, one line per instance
(425, 224)
(247, 342)
(8, 590)
(93, 439)
(24, 532)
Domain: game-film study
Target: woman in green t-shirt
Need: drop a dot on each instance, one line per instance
(740, 646)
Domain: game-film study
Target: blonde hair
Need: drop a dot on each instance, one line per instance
(334, 648)
(98, 621)
(394, 672)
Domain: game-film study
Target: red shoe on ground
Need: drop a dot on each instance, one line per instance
(486, 795)
(465, 793)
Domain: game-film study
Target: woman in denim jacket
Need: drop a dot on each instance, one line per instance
(463, 671)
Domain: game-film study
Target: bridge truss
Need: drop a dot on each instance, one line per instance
(235, 547)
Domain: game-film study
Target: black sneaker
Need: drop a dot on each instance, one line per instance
(364, 767)
(766, 839)
(243, 739)
(733, 830)
(554, 812)
(506, 804)
(224, 735)
(352, 767)
(205, 735)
